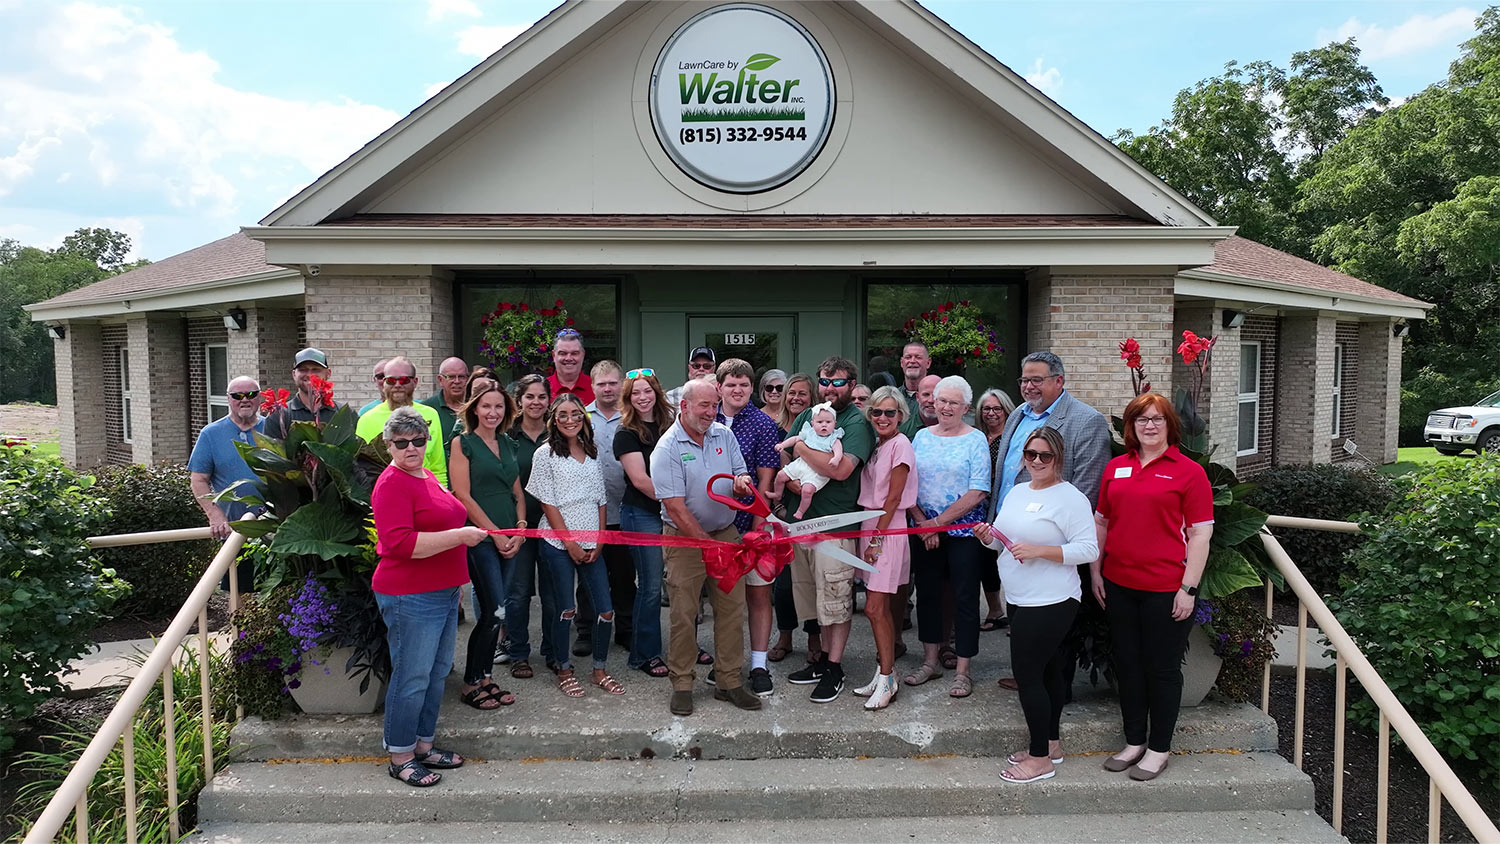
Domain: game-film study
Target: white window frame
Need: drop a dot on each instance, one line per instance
(1250, 397)
(1338, 388)
(127, 397)
(215, 400)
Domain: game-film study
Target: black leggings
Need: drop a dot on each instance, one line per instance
(1148, 646)
(989, 573)
(1036, 658)
(786, 606)
(955, 565)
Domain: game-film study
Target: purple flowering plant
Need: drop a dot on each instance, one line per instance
(1242, 636)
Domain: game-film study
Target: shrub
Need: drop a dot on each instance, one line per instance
(146, 498)
(1423, 603)
(52, 586)
(1320, 491)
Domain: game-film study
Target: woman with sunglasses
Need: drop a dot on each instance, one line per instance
(772, 390)
(525, 572)
(797, 397)
(645, 416)
(567, 481)
(1155, 519)
(1043, 530)
(420, 537)
(483, 473)
(995, 408)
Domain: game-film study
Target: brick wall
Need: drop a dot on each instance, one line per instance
(1378, 400)
(1038, 310)
(266, 348)
(361, 320)
(1218, 398)
(201, 332)
(1347, 334)
(1262, 329)
(1086, 318)
(78, 362)
(1304, 389)
(159, 376)
(113, 338)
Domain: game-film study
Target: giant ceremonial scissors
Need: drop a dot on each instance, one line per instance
(820, 524)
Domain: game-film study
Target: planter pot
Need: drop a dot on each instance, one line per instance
(326, 690)
(1200, 667)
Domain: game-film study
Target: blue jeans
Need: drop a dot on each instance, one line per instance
(520, 575)
(560, 570)
(489, 593)
(421, 629)
(645, 638)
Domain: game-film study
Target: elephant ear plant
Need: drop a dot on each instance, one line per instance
(311, 493)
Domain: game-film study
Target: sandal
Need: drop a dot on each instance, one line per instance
(948, 656)
(505, 697)
(481, 698)
(962, 686)
(653, 667)
(610, 684)
(777, 653)
(569, 685)
(442, 759)
(1022, 755)
(521, 670)
(704, 657)
(994, 623)
(414, 773)
(925, 672)
(1008, 683)
(1011, 774)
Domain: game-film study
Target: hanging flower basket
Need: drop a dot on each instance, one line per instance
(519, 336)
(954, 332)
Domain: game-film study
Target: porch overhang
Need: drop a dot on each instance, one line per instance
(1203, 284)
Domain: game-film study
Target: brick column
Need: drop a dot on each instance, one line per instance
(78, 359)
(158, 377)
(1219, 400)
(1379, 390)
(1038, 309)
(1304, 390)
(361, 320)
(1088, 316)
(265, 349)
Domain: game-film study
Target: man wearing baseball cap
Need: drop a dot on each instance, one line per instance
(309, 364)
(701, 363)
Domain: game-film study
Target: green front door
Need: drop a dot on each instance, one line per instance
(767, 342)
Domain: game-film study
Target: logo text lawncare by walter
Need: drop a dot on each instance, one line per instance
(718, 91)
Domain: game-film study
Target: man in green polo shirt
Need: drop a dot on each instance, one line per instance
(453, 376)
(823, 587)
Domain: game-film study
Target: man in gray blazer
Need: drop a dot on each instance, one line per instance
(1085, 431)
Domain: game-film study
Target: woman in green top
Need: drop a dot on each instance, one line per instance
(533, 396)
(484, 475)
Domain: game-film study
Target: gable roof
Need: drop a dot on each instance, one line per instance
(1241, 258)
(346, 189)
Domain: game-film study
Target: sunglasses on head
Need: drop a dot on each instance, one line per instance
(638, 373)
(400, 380)
(246, 395)
(891, 412)
(402, 445)
(833, 382)
(1042, 457)
(568, 332)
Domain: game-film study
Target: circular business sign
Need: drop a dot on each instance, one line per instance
(742, 98)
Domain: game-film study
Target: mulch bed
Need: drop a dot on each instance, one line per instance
(130, 628)
(1407, 806)
(34, 734)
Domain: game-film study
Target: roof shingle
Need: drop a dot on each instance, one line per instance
(1238, 256)
(227, 257)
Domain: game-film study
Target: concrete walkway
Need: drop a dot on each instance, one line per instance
(113, 664)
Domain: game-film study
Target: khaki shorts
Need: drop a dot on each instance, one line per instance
(828, 585)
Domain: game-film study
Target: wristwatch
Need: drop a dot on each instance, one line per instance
(1191, 590)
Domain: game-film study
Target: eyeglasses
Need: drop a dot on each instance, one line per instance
(638, 373)
(877, 412)
(994, 411)
(948, 402)
(568, 332)
(1043, 457)
(1034, 381)
(379, 376)
(400, 380)
(570, 417)
(705, 365)
(452, 377)
(243, 396)
(773, 388)
(402, 445)
(833, 382)
(1150, 421)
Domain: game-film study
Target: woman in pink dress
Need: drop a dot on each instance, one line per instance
(889, 483)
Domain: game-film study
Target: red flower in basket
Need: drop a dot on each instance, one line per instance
(505, 306)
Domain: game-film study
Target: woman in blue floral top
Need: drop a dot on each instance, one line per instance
(953, 484)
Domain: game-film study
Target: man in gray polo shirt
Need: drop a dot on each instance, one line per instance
(693, 450)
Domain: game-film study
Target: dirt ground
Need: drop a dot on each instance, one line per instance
(33, 421)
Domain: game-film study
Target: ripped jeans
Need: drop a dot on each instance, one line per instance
(561, 569)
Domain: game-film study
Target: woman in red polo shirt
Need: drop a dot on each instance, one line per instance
(1155, 517)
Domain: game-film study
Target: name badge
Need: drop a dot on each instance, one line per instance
(688, 458)
(1034, 507)
(1123, 472)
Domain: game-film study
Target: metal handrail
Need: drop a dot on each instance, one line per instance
(1443, 782)
(72, 795)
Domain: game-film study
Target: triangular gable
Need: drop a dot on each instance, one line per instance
(451, 149)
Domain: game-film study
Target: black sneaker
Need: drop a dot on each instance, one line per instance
(829, 687)
(808, 675)
(760, 682)
(711, 679)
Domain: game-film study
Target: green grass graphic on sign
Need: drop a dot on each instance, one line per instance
(726, 115)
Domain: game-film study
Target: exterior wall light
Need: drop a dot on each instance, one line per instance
(1233, 318)
(57, 332)
(235, 320)
(1399, 329)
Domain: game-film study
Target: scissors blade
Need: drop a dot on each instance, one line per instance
(826, 523)
(831, 549)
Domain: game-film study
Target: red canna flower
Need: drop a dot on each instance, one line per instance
(324, 390)
(525, 307)
(558, 303)
(274, 400)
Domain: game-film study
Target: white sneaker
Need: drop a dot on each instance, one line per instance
(502, 652)
(884, 693)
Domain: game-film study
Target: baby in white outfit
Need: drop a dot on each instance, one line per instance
(819, 434)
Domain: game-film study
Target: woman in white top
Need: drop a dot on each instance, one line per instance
(567, 482)
(1044, 530)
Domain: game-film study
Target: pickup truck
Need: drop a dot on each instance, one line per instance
(1453, 429)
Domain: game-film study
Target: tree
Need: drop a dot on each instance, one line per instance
(1327, 94)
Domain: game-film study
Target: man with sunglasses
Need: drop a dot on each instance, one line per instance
(216, 464)
(567, 368)
(400, 387)
(701, 364)
(309, 364)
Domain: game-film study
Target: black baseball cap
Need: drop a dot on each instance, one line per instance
(703, 352)
(310, 355)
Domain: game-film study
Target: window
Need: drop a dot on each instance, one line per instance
(1249, 399)
(594, 308)
(1338, 388)
(123, 359)
(889, 304)
(216, 360)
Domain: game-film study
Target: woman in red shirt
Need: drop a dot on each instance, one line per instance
(420, 537)
(1155, 518)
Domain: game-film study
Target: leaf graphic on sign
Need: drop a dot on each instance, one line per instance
(760, 61)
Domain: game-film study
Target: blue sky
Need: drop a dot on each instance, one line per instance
(178, 121)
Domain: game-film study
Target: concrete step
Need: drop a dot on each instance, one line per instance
(670, 791)
(543, 724)
(1231, 827)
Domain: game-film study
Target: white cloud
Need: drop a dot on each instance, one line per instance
(1415, 34)
(481, 41)
(440, 9)
(432, 90)
(115, 101)
(1049, 81)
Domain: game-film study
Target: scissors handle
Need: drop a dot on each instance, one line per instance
(757, 507)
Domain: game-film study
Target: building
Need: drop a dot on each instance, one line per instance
(781, 181)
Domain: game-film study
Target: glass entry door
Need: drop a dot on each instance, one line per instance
(767, 342)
